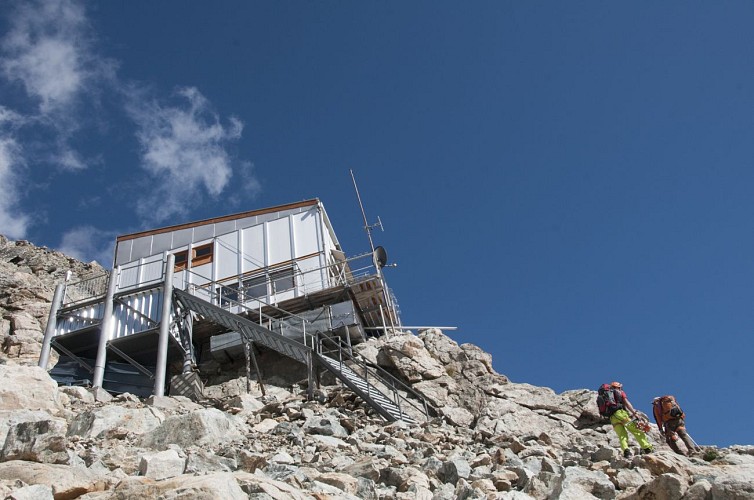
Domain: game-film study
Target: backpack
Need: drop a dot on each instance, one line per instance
(609, 400)
(666, 408)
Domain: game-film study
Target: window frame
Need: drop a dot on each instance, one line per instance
(200, 260)
(182, 264)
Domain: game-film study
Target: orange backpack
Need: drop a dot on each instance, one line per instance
(666, 408)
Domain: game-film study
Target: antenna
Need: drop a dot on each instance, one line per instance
(367, 227)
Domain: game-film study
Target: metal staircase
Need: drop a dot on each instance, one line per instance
(371, 383)
(383, 405)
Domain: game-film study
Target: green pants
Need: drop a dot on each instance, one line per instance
(621, 421)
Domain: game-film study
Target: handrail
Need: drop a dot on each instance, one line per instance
(88, 288)
(262, 316)
(318, 342)
(387, 379)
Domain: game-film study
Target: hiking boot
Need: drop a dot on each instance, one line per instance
(627, 453)
(645, 451)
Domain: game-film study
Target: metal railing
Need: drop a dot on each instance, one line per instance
(218, 296)
(375, 377)
(86, 289)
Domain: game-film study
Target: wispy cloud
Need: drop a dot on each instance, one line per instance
(13, 221)
(88, 243)
(48, 53)
(45, 51)
(183, 147)
(49, 59)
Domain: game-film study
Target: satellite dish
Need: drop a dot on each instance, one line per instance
(380, 256)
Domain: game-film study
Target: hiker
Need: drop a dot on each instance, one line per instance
(613, 402)
(670, 420)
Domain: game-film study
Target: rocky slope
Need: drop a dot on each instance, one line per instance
(493, 439)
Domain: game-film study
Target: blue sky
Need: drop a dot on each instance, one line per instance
(568, 183)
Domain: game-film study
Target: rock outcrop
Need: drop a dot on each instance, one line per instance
(492, 438)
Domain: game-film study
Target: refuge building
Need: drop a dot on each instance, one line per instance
(226, 289)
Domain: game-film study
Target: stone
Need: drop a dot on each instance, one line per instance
(33, 492)
(213, 485)
(666, 486)
(37, 441)
(580, 483)
(27, 388)
(325, 425)
(99, 422)
(65, 482)
(162, 464)
(78, 393)
(205, 427)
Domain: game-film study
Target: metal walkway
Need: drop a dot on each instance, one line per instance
(370, 387)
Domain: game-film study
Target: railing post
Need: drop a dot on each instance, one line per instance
(106, 327)
(52, 320)
(162, 346)
(188, 356)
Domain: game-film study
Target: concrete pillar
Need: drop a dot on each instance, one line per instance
(106, 328)
(57, 301)
(162, 345)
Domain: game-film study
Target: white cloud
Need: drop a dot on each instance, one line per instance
(46, 52)
(183, 149)
(88, 243)
(13, 222)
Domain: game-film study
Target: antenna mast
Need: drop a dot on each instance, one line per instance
(367, 227)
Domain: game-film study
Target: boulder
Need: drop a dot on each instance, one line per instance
(205, 427)
(115, 421)
(37, 441)
(27, 388)
(214, 485)
(65, 481)
(162, 464)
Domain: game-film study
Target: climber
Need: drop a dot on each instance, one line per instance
(613, 403)
(670, 421)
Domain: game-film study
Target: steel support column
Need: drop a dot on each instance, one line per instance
(106, 326)
(162, 346)
(52, 320)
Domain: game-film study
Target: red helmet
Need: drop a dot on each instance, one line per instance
(617, 385)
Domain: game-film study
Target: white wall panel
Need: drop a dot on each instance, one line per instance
(203, 232)
(253, 248)
(129, 276)
(162, 242)
(226, 255)
(246, 222)
(123, 252)
(310, 279)
(182, 237)
(142, 248)
(225, 227)
(279, 241)
(305, 228)
(152, 269)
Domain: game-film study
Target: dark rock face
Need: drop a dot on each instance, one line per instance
(492, 439)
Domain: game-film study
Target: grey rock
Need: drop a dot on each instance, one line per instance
(37, 441)
(325, 425)
(665, 486)
(114, 420)
(206, 427)
(162, 465)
